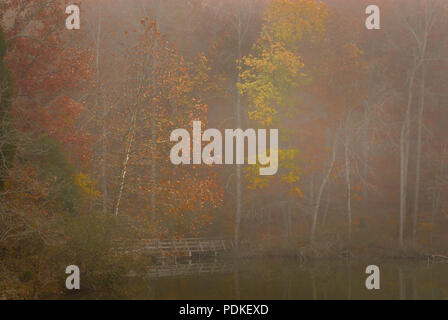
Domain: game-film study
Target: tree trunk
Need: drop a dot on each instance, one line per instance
(347, 174)
(103, 157)
(319, 194)
(153, 165)
(429, 19)
(366, 153)
(324, 218)
(404, 158)
(239, 195)
(419, 152)
(125, 163)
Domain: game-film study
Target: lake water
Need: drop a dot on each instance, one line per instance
(287, 279)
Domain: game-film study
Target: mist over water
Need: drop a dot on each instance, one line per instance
(276, 278)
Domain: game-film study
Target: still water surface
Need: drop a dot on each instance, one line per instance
(287, 279)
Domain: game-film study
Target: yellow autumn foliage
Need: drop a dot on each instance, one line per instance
(87, 186)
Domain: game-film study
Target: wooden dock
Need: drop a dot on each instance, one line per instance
(186, 247)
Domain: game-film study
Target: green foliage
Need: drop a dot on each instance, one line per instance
(7, 137)
(91, 248)
(268, 81)
(53, 166)
(26, 276)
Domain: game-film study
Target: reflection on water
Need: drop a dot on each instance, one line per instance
(288, 279)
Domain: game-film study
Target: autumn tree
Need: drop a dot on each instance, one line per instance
(48, 75)
(156, 96)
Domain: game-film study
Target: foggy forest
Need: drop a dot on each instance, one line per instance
(86, 117)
